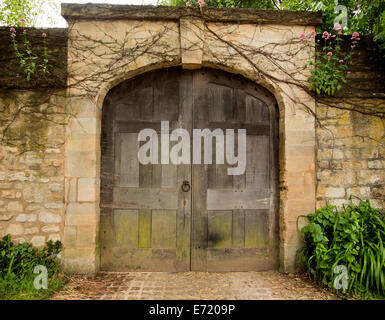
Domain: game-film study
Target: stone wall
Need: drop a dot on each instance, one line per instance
(11, 75)
(351, 144)
(32, 187)
(261, 46)
(57, 196)
(350, 155)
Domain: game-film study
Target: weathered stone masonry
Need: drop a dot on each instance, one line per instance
(57, 197)
(350, 145)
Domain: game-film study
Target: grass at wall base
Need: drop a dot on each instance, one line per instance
(17, 266)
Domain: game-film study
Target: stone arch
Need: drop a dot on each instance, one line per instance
(82, 177)
(107, 140)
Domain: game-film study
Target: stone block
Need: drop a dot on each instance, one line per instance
(78, 208)
(85, 237)
(85, 219)
(376, 164)
(26, 217)
(8, 194)
(81, 142)
(80, 260)
(15, 206)
(331, 192)
(38, 241)
(361, 192)
(83, 125)
(5, 216)
(69, 237)
(54, 237)
(86, 189)
(15, 229)
(31, 230)
(81, 164)
(49, 217)
(191, 39)
(70, 190)
(50, 228)
(36, 193)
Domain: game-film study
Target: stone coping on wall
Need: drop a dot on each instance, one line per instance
(71, 11)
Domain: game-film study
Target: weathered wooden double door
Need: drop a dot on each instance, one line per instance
(216, 222)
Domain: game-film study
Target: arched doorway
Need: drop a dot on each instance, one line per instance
(217, 221)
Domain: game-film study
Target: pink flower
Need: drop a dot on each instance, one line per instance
(341, 60)
(188, 4)
(13, 35)
(339, 31)
(330, 53)
(354, 41)
(313, 34)
(12, 29)
(325, 34)
(302, 36)
(318, 40)
(353, 46)
(333, 36)
(43, 34)
(22, 21)
(349, 72)
(355, 35)
(337, 26)
(358, 39)
(201, 2)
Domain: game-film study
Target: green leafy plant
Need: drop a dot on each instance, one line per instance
(352, 237)
(17, 264)
(329, 69)
(29, 62)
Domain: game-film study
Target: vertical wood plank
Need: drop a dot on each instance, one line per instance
(183, 251)
(219, 229)
(156, 181)
(127, 169)
(145, 173)
(199, 179)
(166, 96)
(257, 160)
(256, 231)
(239, 108)
(126, 228)
(163, 229)
(239, 183)
(169, 176)
(144, 228)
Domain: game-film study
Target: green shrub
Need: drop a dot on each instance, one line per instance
(352, 237)
(17, 264)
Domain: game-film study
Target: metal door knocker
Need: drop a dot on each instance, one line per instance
(186, 186)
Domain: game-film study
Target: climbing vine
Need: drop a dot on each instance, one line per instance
(107, 56)
(30, 63)
(329, 69)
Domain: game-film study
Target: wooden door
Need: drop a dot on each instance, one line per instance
(225, 222)
(234, 220)
(145, 216)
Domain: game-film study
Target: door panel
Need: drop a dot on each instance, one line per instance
(145, 217)
(235, 216)
(226, 222)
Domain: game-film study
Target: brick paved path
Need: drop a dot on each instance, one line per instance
(192, 285)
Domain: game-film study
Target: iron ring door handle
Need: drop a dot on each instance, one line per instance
(186, 186)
